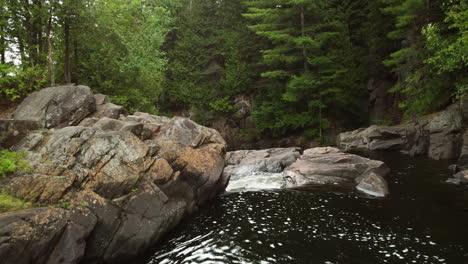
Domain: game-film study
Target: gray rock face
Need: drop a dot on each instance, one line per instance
(12, 131)
(57, 106)
(440, 136)
(327, 165)
(128, 181)
(244, 162)
(45, 235)
(379, 100)
(286, 167)
(109, 110)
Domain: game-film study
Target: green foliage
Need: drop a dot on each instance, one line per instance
(310, 69)
(224, 105)
(209, 52)
(9, 203)
(65, 205)
(433, 61)
(16, 83)
(11, 162)
(307, 63)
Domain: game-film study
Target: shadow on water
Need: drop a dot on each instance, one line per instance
(424, 220)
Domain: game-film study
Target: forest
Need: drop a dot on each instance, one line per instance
(306, 64)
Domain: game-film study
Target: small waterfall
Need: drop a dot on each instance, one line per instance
(255, 181)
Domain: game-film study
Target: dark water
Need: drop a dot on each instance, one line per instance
(424, 220)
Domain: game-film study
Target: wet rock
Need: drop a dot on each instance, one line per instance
(373, 184)
(57, 106)
(330, 166)
(459, 178)
(244, 162)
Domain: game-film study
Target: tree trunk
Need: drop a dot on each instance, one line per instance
(67, 67)
(75, 62)
(50, 54)
(304, 52)
(2, 48)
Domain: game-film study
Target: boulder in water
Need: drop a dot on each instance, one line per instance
(330, 166)
(287, 168)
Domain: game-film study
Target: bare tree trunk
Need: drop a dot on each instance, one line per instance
(75, 62)
(50, 54)
(304, 52)
(67, 66)
(2, 49)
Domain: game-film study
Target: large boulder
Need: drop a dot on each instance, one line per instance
(244, 162)
(439, 136)
(57, 106)
(330, 166)
(130, 180)
(287, 168)
(45, 235)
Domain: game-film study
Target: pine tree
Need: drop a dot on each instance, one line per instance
(309, 63)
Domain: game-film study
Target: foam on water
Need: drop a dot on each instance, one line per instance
(256, 181)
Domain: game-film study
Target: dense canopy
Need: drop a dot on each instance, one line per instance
(306, 63)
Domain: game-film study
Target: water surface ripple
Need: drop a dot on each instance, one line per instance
(424, 220)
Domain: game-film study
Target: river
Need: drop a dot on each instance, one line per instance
(424, 220)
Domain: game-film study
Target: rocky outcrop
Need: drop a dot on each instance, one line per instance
(380, 100)
(439, 136)
(316, 166)
(114, 186)
(104, 108)
(45, 235)
(12, 131)
(243, 162)
(330, 166)
(57, 106)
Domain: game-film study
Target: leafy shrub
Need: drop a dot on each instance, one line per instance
(16, 83)
(11, 162)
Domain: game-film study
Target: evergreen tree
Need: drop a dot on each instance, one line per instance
(311, 68)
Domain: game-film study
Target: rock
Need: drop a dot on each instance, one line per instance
(463, 158)
(244, 107)
(101, 99)
(12, 131)
(330, 166)
(286, 167)
(439, 136)
(375, 138)
(379, 100)
(57, 106)
(374, 185)
(45, 235)
(244, 162)
(459, 178)
(151, 124)
(109, 110)
(128, 180)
